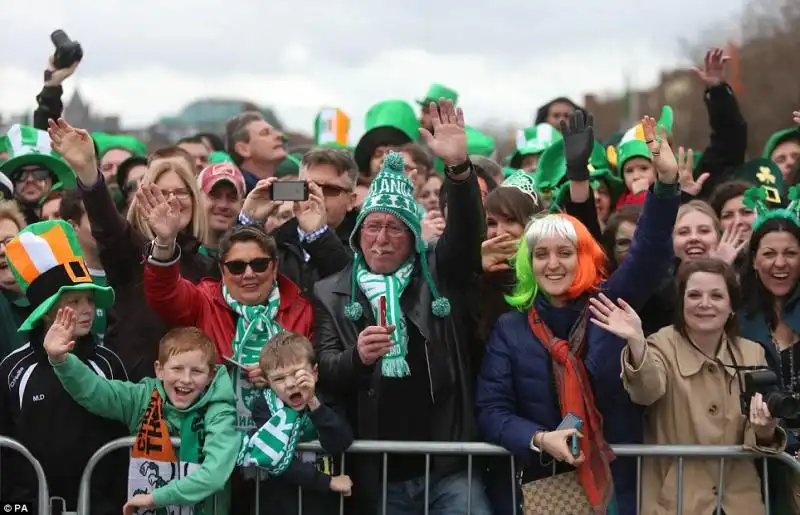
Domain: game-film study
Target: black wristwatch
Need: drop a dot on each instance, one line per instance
(458, 169)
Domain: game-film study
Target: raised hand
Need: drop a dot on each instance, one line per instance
(311, 214)
(259, 204)
(578, 141)
(663, 157)
(686, 180)
(713, 72)
(496, 252)
(58, 76)
(60, 338)
(620, 319)
(449, 140)
(162, 214)
(76, 147)
(433, 224)
(764, 424)
(730, 245)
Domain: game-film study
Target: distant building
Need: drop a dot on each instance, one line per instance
(79, 114)
(210, 115)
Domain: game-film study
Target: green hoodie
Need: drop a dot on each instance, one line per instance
(127, 402)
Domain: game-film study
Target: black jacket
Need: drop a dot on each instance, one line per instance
(36, 411)
(280, 492)
(454, 260)
(329, 254)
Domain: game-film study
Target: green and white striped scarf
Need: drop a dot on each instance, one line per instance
(375, 286)
(272, 447)
(255, 325)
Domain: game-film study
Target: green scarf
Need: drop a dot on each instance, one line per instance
(154, 462)
(255, 325)
(272, 447)
(375, 286)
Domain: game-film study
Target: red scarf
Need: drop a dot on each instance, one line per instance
(575, 395)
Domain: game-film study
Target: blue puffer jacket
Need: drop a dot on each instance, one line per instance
(515, 393)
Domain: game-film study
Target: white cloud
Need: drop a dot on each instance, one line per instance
(148, 59)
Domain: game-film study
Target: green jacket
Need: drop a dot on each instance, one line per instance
(127, 402)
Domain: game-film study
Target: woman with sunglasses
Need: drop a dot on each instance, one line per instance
(241, 312)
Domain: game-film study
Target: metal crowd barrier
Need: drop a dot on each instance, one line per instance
(471, 449)
(42, 495)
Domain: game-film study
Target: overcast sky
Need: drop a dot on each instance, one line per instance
(147, 58)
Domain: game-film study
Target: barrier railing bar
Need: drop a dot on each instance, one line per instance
(43, 493)
(384, 447)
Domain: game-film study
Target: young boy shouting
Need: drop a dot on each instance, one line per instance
(287, 413)
(191, 398)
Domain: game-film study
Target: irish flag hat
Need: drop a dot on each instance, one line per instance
(47, 261)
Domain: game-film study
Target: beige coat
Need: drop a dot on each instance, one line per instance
(692, 400)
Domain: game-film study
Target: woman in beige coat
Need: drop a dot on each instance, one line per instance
(688, 375)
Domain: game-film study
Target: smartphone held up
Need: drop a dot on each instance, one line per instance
(290, 191)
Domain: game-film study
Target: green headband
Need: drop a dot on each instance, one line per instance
(756, 199)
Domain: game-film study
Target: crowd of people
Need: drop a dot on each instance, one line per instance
(574, 295)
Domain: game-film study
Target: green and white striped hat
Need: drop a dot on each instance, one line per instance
(30, 146)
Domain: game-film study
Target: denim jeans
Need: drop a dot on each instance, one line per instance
(447, 495)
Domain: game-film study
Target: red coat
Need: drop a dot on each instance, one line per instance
(180, 303)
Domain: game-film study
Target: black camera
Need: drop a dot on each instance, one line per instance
(68, 52)
(781, 404)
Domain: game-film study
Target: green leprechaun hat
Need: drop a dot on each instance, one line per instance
(29, 146)
(436, 92)
(479, 143)
(47, 260)
(290, 166)
(632, 143)
(391, 122)
(218, 156)
(532, 141)
(106, 142)
(790, 134)
(392, 192)
(765, 173)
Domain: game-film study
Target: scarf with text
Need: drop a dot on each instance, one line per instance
(273, 445)
(255, 325)
(155, 464)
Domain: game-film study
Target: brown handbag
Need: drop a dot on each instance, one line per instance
(561, 494)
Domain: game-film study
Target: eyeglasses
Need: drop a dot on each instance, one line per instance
(238, 266)
(391, 229)
(179, 193)
(36, 175)
(331, 190)
(5, 241)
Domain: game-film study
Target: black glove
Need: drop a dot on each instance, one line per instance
(578, 143)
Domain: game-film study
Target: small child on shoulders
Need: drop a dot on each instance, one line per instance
(290, 412)
(191, 398)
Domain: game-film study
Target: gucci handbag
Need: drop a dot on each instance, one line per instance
(561, 494)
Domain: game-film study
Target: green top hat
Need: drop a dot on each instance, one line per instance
(218, 156)
(391, 122)
(30, 146)
(437, 91)
(106, 142)
(47, 261)
(763, 172)
(552, 169)
(533, 140)
(792, 133)
(479, 143)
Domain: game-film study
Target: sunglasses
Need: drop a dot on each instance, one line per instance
(238, 266)
(36, 175)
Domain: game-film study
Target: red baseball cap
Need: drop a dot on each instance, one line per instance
(213, 174)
